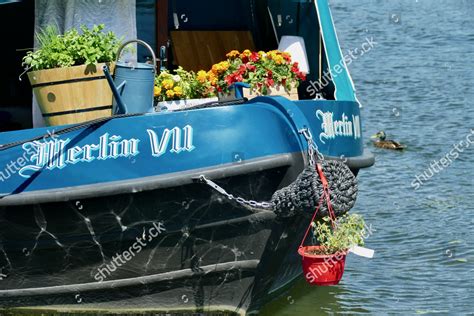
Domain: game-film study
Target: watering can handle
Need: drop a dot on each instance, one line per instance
(143, 43)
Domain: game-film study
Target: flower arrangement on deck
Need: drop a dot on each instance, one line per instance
(182, 85)
(263, 71)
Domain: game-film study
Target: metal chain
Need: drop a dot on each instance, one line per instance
(312, 147)
(240, 200)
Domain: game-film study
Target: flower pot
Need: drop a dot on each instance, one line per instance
(72, 94)
(274, 91)
(322, 269)
(182, 104)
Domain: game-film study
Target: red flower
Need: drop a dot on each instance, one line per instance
(301, 76)
(287, 57)
(229, 80)
(242, 69)
(251, 67)
(270, 82)
(254, 57)
(270, 74)
(295, 68)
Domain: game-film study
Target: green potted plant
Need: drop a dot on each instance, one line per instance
(66, 73)
(324, 264)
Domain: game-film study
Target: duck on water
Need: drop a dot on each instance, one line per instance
(383, 142)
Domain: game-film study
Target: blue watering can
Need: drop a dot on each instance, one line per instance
(133, 85)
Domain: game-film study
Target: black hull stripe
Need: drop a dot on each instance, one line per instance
(245, 265)
(149, 183)
(53, 83)
(97, 108)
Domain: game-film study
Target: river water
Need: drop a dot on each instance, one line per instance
(417, 85)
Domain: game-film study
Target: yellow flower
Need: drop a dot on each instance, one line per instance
(178, 91)
(225, 65)
(246, 53)
(274, 54)
(168, 84)
(202, 76)
(233, 54)
(157, 91)
(170, 93)
(279, 59)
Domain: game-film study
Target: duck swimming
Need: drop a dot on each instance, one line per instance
(382, 142)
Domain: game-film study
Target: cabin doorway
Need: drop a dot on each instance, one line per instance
(17, 25)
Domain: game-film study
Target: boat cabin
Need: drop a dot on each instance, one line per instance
(191, 34)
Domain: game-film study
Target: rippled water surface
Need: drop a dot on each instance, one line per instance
(416, 84)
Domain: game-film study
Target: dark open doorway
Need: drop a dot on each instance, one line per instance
(17, 25)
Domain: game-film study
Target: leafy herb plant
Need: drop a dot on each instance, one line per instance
(89, 47)
(349, 231)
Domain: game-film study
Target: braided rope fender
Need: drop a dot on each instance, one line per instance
(303, 195)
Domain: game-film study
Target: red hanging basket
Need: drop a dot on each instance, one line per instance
(322, 269)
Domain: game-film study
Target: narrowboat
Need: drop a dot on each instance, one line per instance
(110, 215)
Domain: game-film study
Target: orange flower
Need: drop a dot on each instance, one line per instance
(233, 54)
(245, 56)
(212, 78)
(220, 67)
(278, 59)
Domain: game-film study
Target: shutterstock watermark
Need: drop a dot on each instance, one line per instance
(118, 260)
(436, 166)
(14, 166)
(350, 56)
(331, 261)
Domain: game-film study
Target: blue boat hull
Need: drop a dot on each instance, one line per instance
(82, 198)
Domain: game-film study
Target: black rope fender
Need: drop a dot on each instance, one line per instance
(303, 195)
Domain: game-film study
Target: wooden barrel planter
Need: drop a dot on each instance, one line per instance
(72, 95)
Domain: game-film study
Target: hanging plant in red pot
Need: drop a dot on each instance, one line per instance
(324, 264)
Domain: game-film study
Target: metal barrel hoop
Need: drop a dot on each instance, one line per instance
(143, 43)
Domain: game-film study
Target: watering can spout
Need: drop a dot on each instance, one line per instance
(121, 108)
